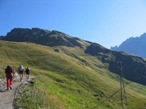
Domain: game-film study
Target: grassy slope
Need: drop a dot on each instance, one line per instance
(73, 81)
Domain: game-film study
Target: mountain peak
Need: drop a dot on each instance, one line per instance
(133, 45)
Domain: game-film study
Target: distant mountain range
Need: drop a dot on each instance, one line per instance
(133, 45)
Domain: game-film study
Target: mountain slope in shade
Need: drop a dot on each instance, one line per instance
(132, 66)
(134, 45)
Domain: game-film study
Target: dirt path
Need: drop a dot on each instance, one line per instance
(7, 96)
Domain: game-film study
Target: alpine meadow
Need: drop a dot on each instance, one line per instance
(72, 73)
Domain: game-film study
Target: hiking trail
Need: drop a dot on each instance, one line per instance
(7, 97)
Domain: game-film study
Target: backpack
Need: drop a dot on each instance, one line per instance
(27, 70)
(9, 71)
(21, 68)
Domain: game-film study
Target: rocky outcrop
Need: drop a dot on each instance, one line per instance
(40, 36)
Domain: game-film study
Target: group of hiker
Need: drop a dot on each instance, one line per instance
(10, 72)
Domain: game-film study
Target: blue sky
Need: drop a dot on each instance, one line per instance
(107, 22)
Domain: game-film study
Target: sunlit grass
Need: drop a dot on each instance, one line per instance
(69, 79)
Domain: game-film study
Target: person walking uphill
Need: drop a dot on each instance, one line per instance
(27, 71)
(9, 71)
(21, 71)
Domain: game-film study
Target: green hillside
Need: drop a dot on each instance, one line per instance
(67, 78)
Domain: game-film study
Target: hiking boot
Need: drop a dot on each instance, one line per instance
(11, 88)
(8, 88)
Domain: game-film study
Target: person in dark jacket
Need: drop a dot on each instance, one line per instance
(9, 71)
(27, 71)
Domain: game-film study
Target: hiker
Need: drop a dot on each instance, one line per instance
(27, 71)
(21, 71)
(9, 71)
